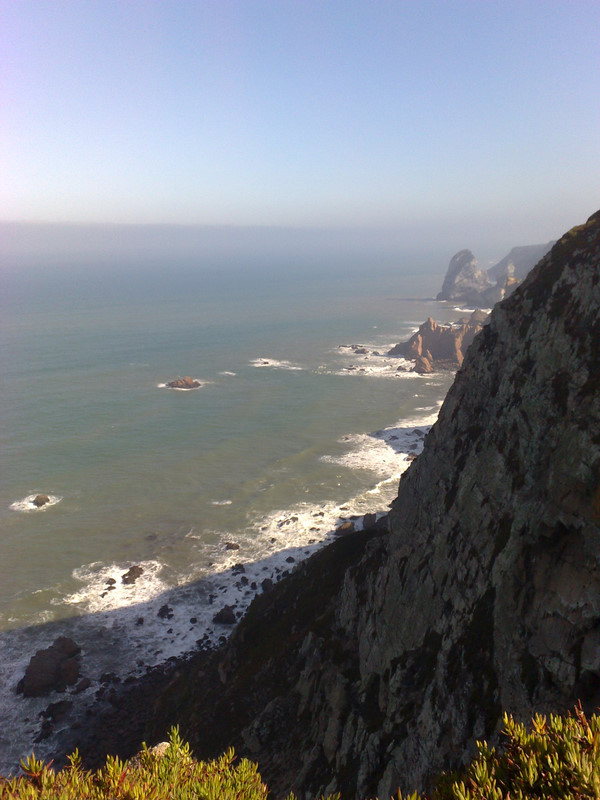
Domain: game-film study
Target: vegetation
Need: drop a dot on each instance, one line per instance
(170, 775)
(556, 759)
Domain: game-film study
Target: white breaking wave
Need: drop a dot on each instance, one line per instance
(27, 504)
(274, 363)
(103, 588)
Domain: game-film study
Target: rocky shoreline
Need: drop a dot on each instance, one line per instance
(383, 658)
(436, 346)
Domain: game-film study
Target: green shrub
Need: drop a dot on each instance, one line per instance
(173, 775)
(555, 759)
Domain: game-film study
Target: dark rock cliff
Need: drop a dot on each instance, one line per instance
(383, 658)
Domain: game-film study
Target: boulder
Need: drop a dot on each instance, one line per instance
(52, 669)
(132, 574)
(369, 521)
(345, 529)
(184, 383)
(165, 612)
(226, 616)
(40, 500)
(423, 366)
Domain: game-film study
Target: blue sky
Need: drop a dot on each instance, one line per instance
(404, 115)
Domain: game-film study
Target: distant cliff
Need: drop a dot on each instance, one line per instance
(466, 283)
(382, 659)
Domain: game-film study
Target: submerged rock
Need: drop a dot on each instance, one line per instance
(132, 574)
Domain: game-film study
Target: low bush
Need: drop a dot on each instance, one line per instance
(556, 758)
(553, 759)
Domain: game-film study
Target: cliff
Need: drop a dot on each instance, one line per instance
(466, 283)
(382, 659)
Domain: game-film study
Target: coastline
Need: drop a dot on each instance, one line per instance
(158, 648)
(91, 720)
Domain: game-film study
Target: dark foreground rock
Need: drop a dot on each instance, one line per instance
(226, 616)
(52, 669)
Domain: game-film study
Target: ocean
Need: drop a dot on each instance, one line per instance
(292, 431)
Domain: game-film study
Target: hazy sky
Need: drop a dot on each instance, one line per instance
(300, 113)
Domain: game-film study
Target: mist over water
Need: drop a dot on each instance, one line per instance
(288, 435)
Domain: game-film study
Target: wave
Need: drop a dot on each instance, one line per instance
(274, 364)
(27, 504)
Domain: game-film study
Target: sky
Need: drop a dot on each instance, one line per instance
(456, 116)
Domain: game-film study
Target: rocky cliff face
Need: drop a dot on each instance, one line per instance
(382, 659)
(466, 283)
(518, 262)
(436, 346)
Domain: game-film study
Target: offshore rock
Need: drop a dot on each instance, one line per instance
(132, 574)
(40, 500)
(184, 383)
(52, 669)
(464, 281)
(437, 346)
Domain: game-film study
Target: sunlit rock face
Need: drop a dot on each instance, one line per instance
(441, 346)
(383, 658)
(466, 283)
(464, 280)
